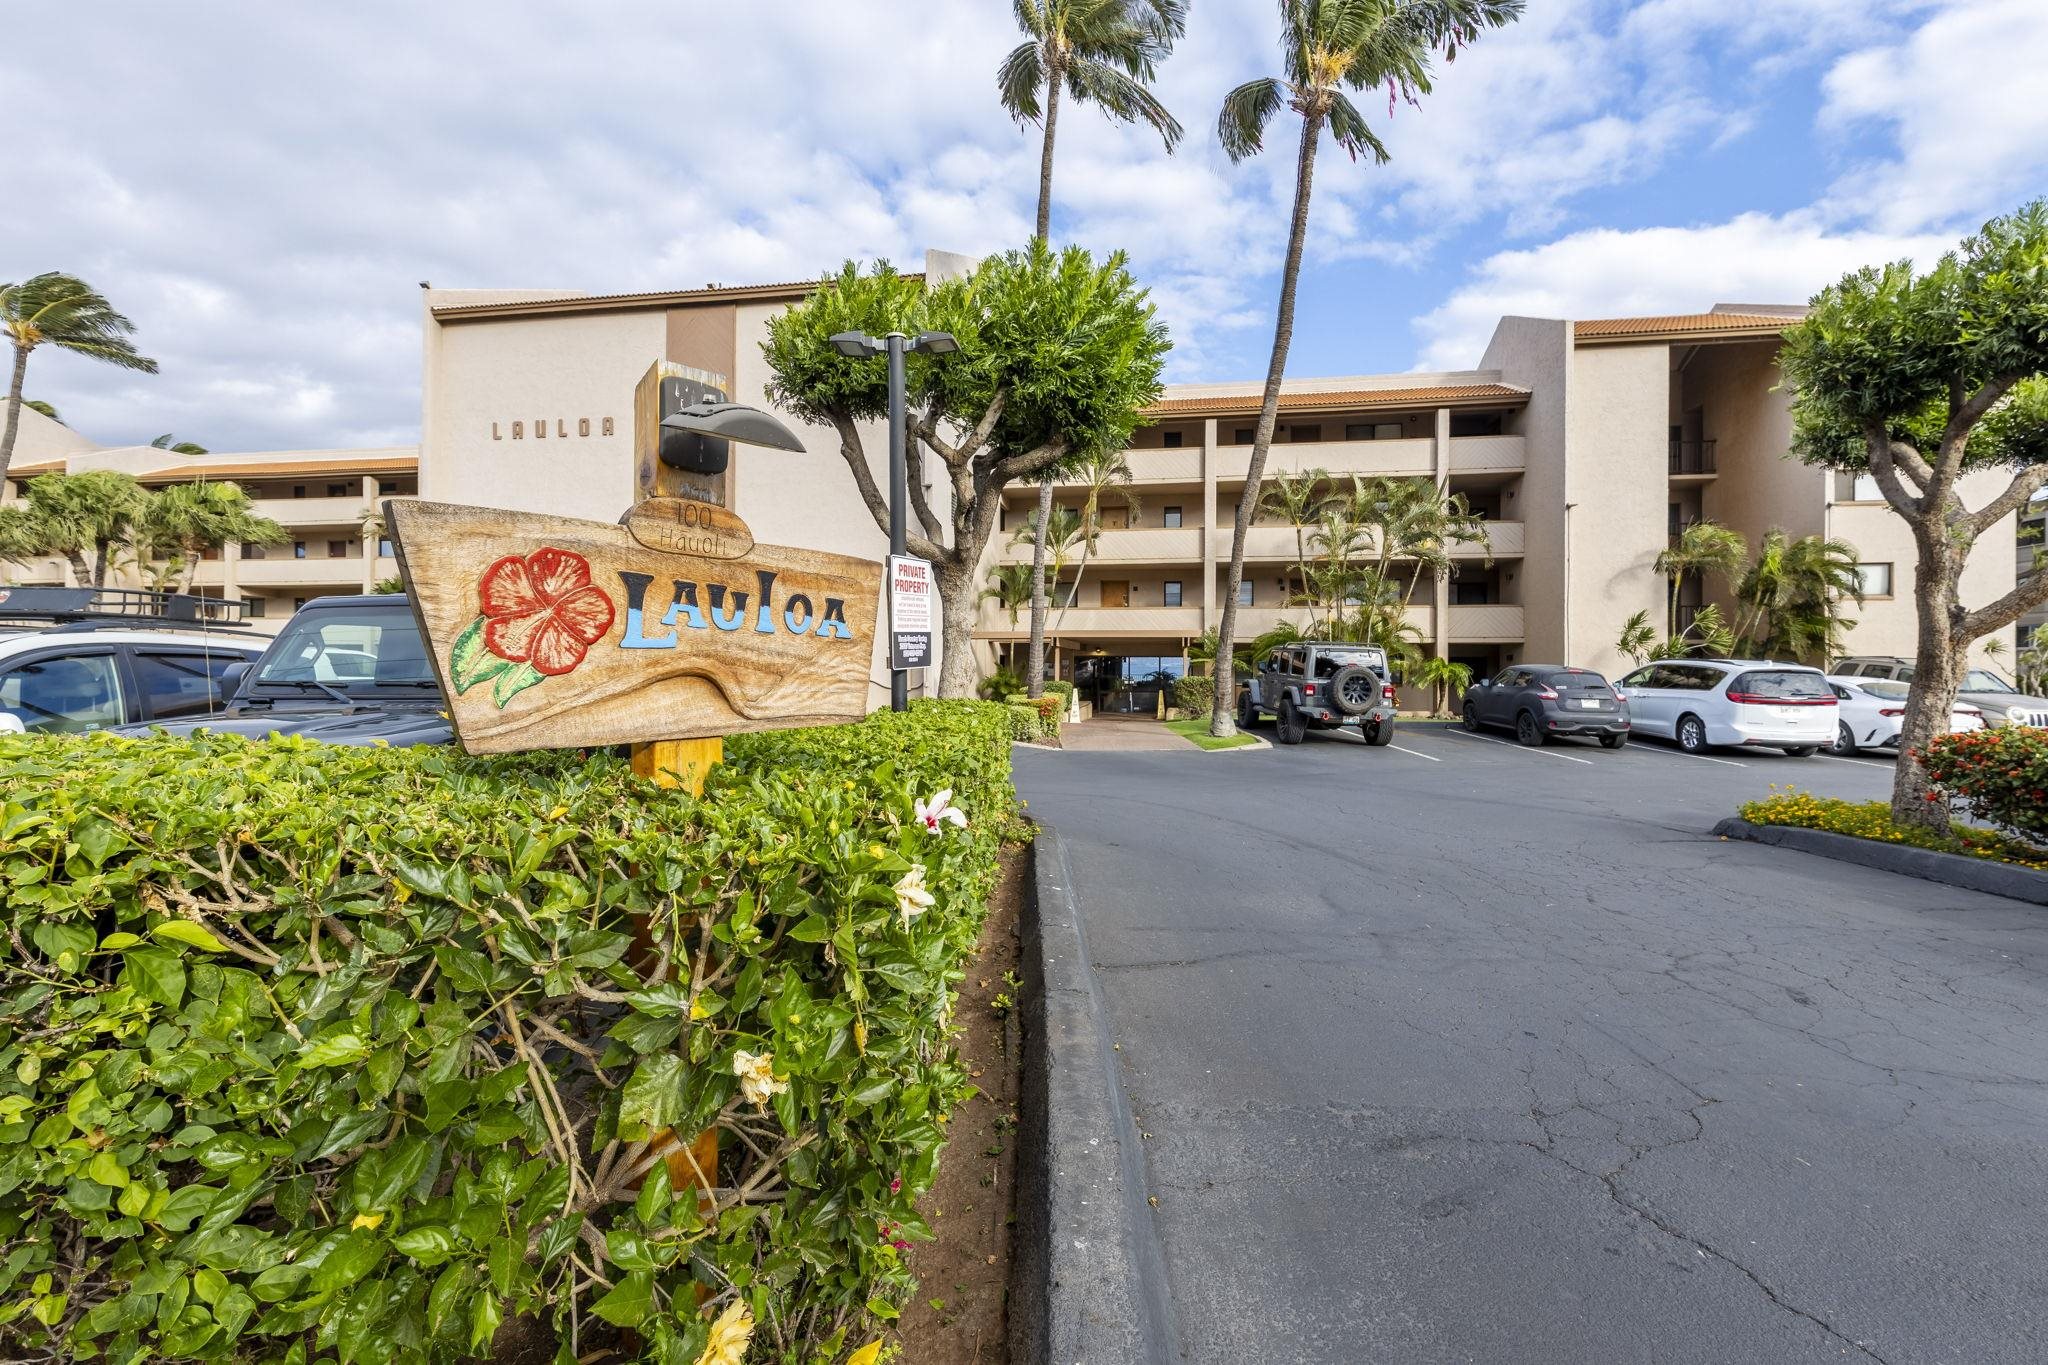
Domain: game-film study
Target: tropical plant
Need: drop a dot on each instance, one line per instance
(1002, 683)
(1703, 548)
(1327, 46)
(55, 309)
(1100, 474)
(1442, 677)
(1791, 597)
(169, 442)
(393, 584)
(87, 518)
(45, 409)
(1101, 52)
(1638, 638)
(1009, 587)
(191, 519)
(992, 415)
(1298, 500)
(1915, 379)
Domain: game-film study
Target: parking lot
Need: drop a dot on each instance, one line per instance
(1459, 1051)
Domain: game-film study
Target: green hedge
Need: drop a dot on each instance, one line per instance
(320, 1054)
(1873, 820)
(2000, 776)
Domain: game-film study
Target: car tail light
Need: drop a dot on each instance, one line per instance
(1547, 695)
(1386, 692)
(1308, 689)
(1891, 710)
(1617, 694)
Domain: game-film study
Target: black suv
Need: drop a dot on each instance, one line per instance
(344, 670)
(1322, 685)
(1541, 701)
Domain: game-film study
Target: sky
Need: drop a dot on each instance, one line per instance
(262, 187)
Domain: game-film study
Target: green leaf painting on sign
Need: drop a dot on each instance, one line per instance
(469, 663)
(512, 682)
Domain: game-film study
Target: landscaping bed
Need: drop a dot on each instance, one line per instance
(313, 1054)
(1872, 820)
(1197, 731)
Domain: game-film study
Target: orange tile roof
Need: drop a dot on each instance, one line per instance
(1446, 395)
(381, 464)
(1680, 326)
(619, 303)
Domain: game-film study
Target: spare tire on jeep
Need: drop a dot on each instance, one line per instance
(1354, 689)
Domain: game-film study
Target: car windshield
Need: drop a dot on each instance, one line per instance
(1886, 688)
(1984, 680)
(1786, 684)
(352, 649)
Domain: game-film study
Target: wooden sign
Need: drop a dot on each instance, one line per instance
(552, 633)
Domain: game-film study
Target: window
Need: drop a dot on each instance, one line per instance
(1372, 431)
(298, 490)
(182, 684)
(1469, 594)
(298, 549)
(1876, 578)
(337, 490)
(64, 695)
(1243, 436)
(1475, 424)
(1169, 516)
(337, 549)
(1244, 593)
(298, 603)
(1171, 590)
(255, 606)
(372, 645)
(387, 485)
(1311, 432)
(1865, 489)
(251, 550)
(1780, 685)
(1170, 439)
(1984, 680)
(385, 549)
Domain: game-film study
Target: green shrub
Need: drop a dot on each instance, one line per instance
(1027, 723)
(1062, 689)
(1873, 820)
(2000, 776)
(1194, 697)
(312, 1053)
(1000, 683)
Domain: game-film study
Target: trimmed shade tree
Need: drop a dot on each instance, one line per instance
(1918, 379)
(1059, 355)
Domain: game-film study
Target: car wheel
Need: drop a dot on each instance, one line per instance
(1471, 718)
(1380, 735)
(1291, 727)
(1801, 751)
(1527, 731)
(1692, 734)
(1613, 741)
(1845, 742)
(1247, 713)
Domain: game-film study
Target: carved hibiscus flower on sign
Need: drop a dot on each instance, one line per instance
(541, 613)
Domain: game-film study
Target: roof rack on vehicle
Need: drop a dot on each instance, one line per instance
(80, 609)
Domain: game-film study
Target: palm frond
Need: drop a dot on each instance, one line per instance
(1122, 97)
(1018, 81)
(1348, 126)
(1241, 126)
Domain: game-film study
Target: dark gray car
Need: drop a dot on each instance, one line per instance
(1541, 701)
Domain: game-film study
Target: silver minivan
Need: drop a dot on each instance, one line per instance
(1999, 700)
(1703, 703)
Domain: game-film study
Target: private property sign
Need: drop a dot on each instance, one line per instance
(553, 633)
(910, 612)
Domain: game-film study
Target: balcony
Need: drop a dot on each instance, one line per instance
(1495, 623)
(1252, 621)
(1692, 459)
(1177, 622)
(1412, 456)
(1136, 545)
(320, 572)
(314, 511)
(1488, 454)
(1277, 544)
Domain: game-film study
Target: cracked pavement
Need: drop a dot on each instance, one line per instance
(1496, 1058)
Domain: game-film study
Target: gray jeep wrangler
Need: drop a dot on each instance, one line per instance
(1321, 684)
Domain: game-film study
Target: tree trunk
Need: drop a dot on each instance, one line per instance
(1937, 672)
(1222, 720)
(1034, 675)
(13, 409)
(1052, 119)
(957, 603)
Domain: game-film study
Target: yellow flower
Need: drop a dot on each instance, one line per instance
(758, 1083)
(877, 852)
(729, 1337)
(912, 899)
(371, 1221)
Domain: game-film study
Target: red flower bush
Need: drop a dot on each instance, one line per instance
(543, 609)
(1999, 775)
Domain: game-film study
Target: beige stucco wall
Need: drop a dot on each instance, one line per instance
(1536, 353)
(1618, 480)
(1759, 487)
(1889, 626)
(37, 438)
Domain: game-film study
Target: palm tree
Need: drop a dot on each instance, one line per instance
(87, 518)
(1297, 499)
(45, 409)
(1792, 596)
(1327, 45)
(193, 518)
(1442, 677)
(1101, 52)
(177, 447)
(1099, 474)
(1638, 637)
(1010, 587)
(1705, 547)
(63, 311)
(1051, 552)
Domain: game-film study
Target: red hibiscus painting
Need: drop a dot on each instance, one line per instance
(543, 609)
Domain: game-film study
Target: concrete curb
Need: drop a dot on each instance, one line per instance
(1088, 1283)
(1950, 869)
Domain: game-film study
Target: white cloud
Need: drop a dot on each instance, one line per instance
(1755, 258)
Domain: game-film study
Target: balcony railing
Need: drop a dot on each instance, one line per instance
(1692, 457)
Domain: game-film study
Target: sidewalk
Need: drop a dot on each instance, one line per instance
(1121, 734)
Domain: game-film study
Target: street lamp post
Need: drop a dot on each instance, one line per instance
(896, 345)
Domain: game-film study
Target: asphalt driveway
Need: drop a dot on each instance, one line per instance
(1456, 1051)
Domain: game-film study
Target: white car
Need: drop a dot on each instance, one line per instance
(1702, 703)
(67, 663)
(1873, 710)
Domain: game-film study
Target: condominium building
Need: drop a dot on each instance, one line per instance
(324, 500)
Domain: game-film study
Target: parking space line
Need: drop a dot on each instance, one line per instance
(1680, 753)
(1431, 757)
(1547, 753)
(1844, 758)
